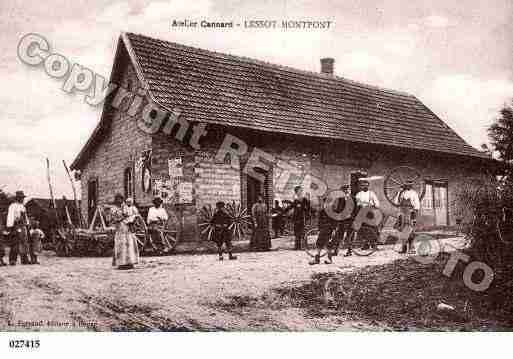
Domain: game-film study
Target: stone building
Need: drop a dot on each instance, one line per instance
(314, 127)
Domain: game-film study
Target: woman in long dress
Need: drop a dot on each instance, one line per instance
(261, 237)
(126, 251)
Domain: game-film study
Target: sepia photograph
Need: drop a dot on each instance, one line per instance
(255, 166)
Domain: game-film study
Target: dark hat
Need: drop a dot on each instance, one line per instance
(344, 186)
(220, 204)
(297, 188)
(157, 200)
(20, 194)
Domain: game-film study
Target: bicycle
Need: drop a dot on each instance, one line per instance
(385, 233)
(358, 240)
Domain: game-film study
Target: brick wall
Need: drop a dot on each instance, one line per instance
(122, 144)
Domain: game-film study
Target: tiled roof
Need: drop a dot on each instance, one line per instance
(236, 91)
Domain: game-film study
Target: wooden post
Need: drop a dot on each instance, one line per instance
(51, 192)
(79, 212)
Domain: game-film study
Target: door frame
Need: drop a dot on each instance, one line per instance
(90, 210)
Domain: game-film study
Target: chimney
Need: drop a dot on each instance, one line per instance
(327, 65)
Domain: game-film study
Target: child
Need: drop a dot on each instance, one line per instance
(35, 242)
(221, 222)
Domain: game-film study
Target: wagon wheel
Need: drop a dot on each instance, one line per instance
(171, 240)
(63, 243)
(397, 178)
(141, 233)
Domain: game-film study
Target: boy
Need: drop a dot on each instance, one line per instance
(221, 221)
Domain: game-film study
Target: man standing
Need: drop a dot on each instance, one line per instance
(325, 226)
(277, 219)
(367, 198)
(409, 205)
(17, 226)
(344, 225)
(300, 211)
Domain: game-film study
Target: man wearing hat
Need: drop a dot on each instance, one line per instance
(17, 226)
(367, 198)
(409, 205)
(300, 208)
(157, 217)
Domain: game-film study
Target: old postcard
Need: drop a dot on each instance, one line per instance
(255, 166)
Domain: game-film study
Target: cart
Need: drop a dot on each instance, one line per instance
(98, 239)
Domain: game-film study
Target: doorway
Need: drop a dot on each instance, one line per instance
(257, 188)
(92, 198)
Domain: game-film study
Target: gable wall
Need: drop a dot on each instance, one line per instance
(117, 151)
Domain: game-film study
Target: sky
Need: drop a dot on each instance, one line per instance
(456, 57)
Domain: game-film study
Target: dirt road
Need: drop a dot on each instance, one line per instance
(175, 293)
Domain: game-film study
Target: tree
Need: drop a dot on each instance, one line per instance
(501, 134)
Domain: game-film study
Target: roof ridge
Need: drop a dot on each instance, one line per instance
(279, 67)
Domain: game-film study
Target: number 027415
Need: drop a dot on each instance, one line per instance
(24, 344)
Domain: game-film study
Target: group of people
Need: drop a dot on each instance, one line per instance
(407, 200)
(299, 208)
(123, 216)
(21, 234)
(24, 237)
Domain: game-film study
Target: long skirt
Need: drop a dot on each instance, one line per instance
(126, 251)
(261, 240)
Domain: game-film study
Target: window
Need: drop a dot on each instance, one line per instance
(129, 183)
(427, 201)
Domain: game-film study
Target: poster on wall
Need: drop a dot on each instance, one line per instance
(165, 189)
(185, 192)
(175, 167)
